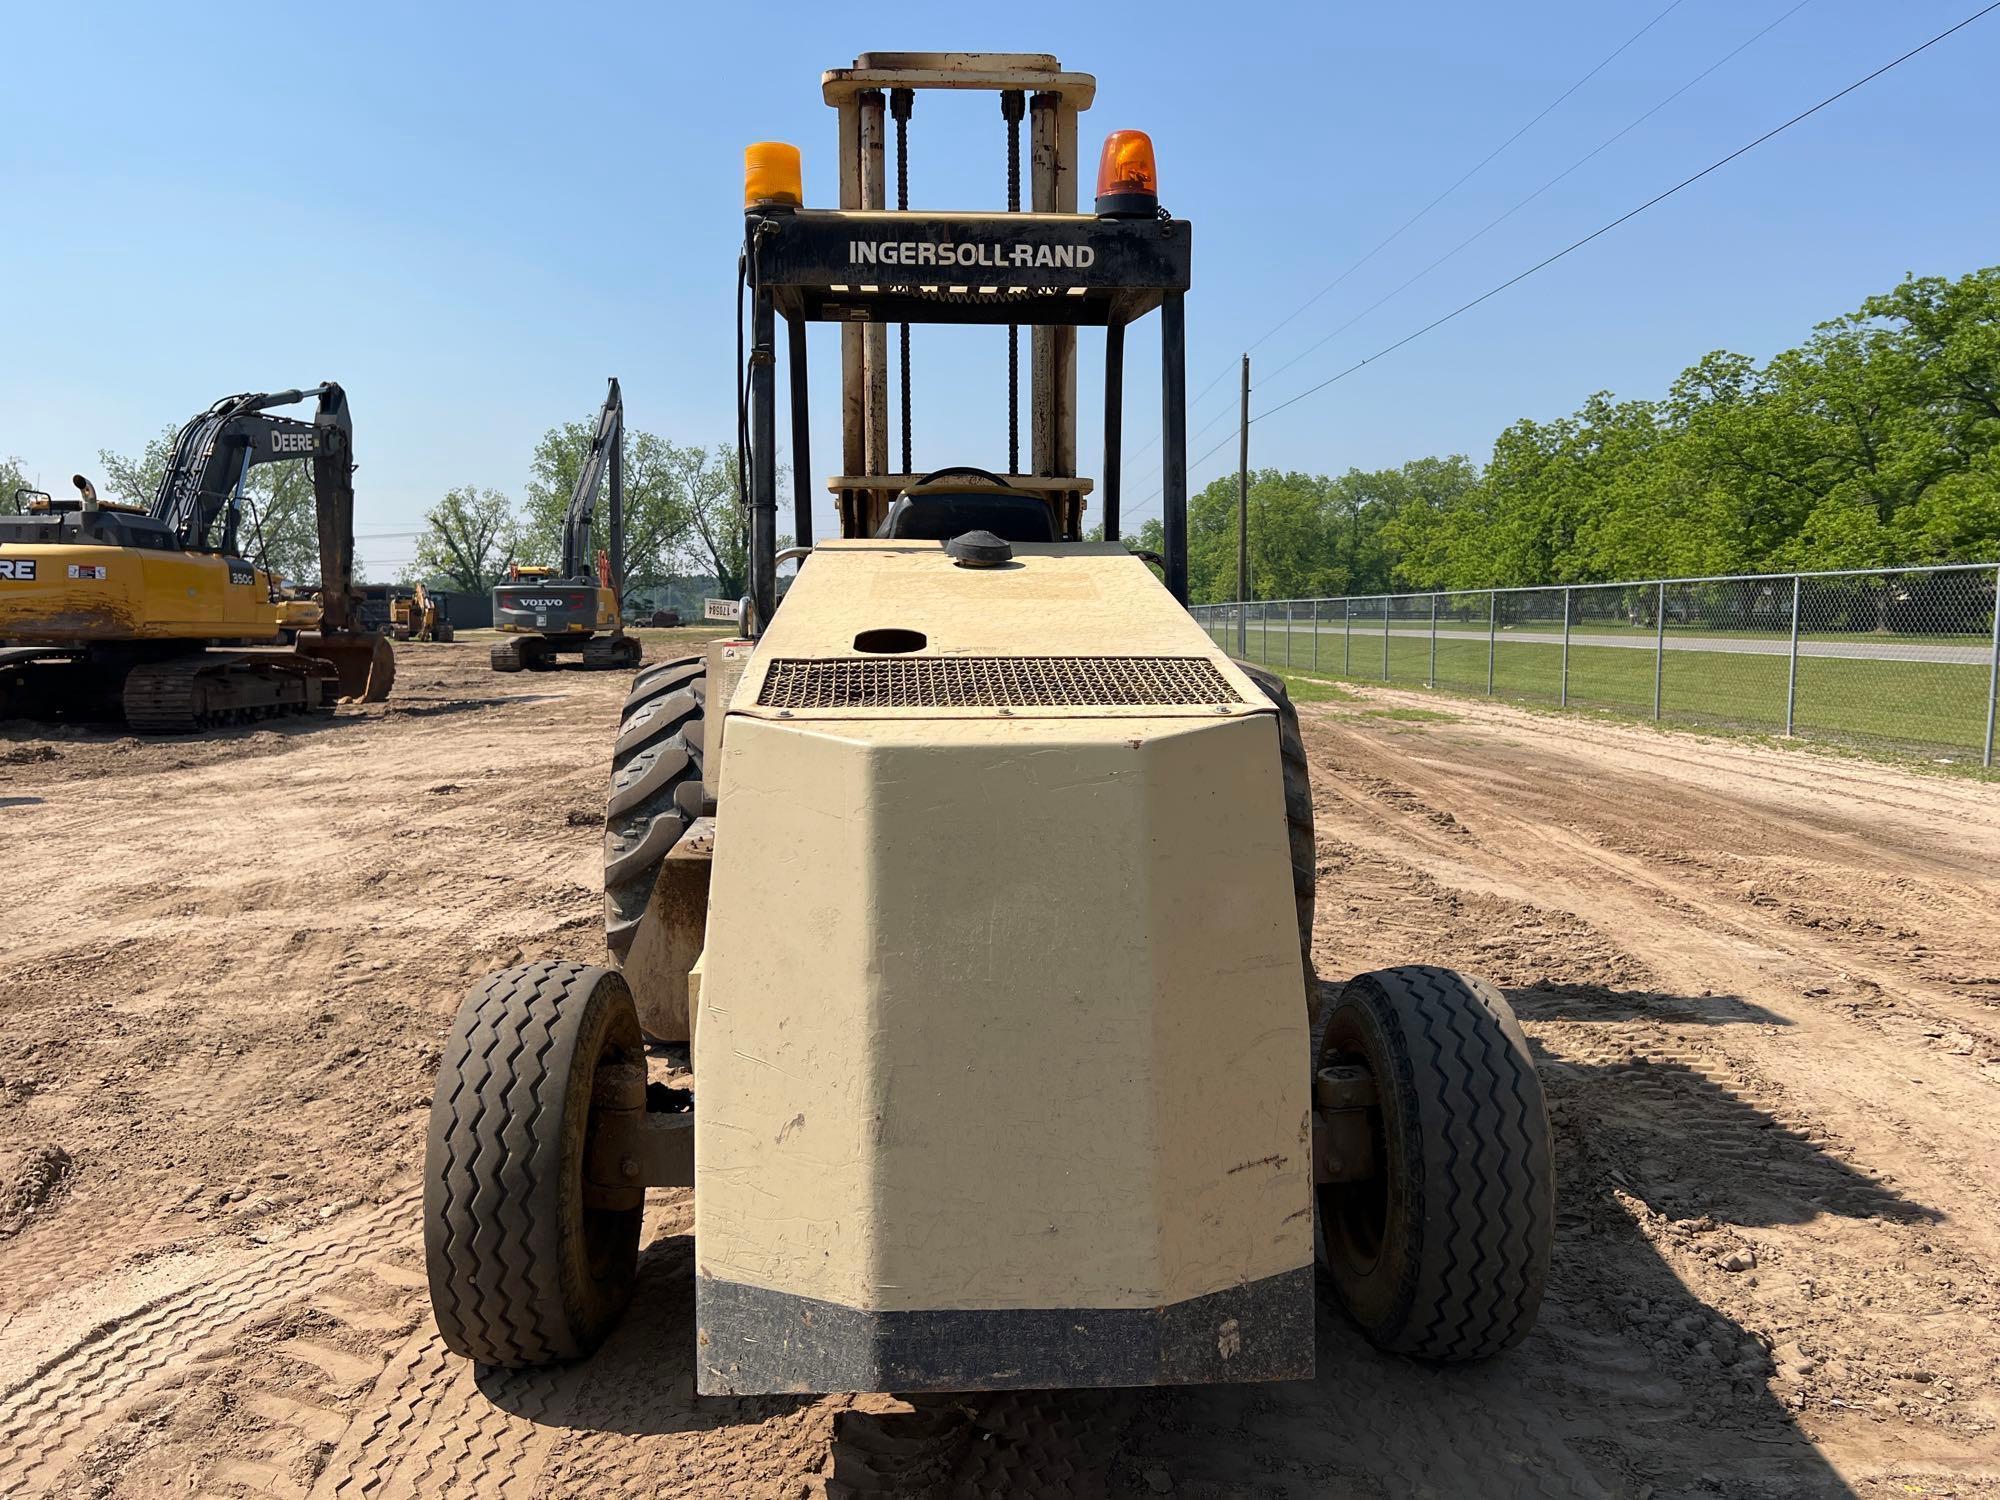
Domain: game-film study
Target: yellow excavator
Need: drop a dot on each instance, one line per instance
(117, 611)
(420, 616)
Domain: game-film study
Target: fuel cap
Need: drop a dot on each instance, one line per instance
(978, 549)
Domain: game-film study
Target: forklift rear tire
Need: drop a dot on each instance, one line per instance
(1297, 780)
(521, 1271)
(656, 788)
(1443, 1253)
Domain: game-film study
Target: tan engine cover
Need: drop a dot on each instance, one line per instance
(1002, 1056)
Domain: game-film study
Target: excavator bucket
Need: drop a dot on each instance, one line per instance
(366, 664)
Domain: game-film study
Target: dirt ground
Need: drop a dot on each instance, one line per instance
(1762, 986)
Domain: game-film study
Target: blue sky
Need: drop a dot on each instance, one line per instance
(471, 215)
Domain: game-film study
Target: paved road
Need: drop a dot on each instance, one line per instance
(1903, 651)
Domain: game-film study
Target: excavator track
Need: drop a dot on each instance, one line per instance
(192, 693)
(515, 653)
(613, 652)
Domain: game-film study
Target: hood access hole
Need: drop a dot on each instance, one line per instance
(890, 641)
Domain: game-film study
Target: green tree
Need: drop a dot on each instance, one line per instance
(1151, 537)
(1869, 445)
(1425, 503)
(1291, 544)
(657, 507)
(281, 523)
(134, 481)
(718, 540)
(470, 537)
(1315, 536)
(1904, 397)
(11, 479)
(1951, 330)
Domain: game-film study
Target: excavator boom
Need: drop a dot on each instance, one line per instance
(577, 607)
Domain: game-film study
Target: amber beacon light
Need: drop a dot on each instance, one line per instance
(771, 176)
(1128, 185)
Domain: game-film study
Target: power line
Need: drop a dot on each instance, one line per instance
(1395, 234)
(1602, 230)
(1581, 161)
(1634, 213)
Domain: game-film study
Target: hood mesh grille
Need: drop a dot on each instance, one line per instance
(995, 682)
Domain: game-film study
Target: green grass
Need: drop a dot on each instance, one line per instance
(1410, 715)
(1925, 708)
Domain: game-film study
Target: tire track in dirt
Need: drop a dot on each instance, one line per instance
(233, 1040)
(270, 1025)
(46, 1418)
(1707, 1103)
(1547, 849)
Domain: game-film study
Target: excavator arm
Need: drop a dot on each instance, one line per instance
(606, 457)
(200, 499)
(213, 454)
(333, 506)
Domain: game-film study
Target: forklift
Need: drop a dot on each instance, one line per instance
(546, 612)
(978, 884)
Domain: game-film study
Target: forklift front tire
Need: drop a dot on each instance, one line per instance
(1440, 1247)
(526, 1265)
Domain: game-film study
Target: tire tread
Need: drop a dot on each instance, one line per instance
(661, 725)
(499, 1286)
(1303, 846)
(1479, 1180)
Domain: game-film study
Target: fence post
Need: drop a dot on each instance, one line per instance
(1492, 635)
(1264, 635)
(1564, 696)
(1385, 637)
(1792, 671)
(1434, 638)
(1347, 649)
(1316, 635)
(1659, 648)
(1993, 672)
(1288, 632)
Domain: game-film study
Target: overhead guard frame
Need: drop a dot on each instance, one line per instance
(806, 265)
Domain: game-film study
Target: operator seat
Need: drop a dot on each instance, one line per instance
(924, 513)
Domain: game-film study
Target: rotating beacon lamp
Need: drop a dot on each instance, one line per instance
(771, 176)
(1128, 184)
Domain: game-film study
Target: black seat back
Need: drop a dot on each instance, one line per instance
(940, 515)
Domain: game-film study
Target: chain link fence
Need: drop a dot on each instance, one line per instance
(1904, 659)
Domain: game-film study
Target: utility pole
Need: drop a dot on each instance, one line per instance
(1243, 515)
